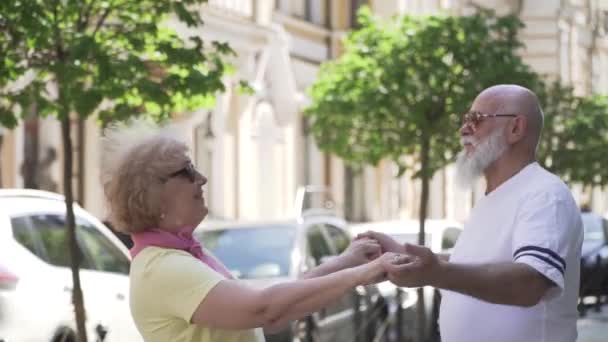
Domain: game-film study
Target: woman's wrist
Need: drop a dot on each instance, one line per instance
(346, 260)
(360, 274)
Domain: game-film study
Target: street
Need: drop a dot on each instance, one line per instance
(594, 326)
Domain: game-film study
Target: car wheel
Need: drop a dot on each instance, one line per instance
(305, 330)
(64, 335)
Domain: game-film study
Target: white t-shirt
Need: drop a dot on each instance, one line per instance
(533, 219)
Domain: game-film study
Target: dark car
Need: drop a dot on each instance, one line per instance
(267, 253)
(594, 261)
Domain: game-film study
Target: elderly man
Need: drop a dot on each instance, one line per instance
(514, 273)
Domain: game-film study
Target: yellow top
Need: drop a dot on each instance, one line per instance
(167, 285)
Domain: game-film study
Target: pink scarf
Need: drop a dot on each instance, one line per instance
(182, 240)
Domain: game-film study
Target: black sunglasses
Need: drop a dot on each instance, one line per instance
(188, 172)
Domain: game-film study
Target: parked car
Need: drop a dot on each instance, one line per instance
(595, 243)
(36, 280)
(440, 237)
(594, 261)
(264, 254)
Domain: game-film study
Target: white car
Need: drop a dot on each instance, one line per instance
(36, 280)
(440, 237)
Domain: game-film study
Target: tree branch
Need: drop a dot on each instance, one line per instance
(102, 20)
(58, 40)
(83, 18)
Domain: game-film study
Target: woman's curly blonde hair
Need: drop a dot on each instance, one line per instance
(136, 158)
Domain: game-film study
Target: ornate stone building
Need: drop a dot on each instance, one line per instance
(256, 149)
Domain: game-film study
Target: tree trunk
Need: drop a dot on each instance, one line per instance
(424, 199)
(1, 141)
(77, 299)
(349, 201)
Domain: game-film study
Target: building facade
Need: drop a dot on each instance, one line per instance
(256, 149)
(564, 39)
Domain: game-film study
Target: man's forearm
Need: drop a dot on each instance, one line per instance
(498, 283)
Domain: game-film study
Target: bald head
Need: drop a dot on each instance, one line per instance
(514, 99)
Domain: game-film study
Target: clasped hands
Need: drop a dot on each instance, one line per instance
(404, 265)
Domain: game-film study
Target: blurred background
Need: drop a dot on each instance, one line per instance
(262, 158)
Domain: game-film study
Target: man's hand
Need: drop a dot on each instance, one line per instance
(419, 266)
(361, 251)
(387, 243)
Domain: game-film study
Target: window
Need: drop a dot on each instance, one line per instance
(103, 254)
(354, 7)
(317, 12)
(317, 244)
(46, 236)
(339, 238)
(23, 234)
(449, 238)
(253, 252)
(50, 231)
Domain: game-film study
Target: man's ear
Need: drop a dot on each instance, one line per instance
(517, 129)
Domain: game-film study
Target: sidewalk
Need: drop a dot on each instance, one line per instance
(594, 326)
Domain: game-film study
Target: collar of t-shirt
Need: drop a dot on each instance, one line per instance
(521, 174)
(181, 240)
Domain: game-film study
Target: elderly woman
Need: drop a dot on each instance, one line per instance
(179, 292)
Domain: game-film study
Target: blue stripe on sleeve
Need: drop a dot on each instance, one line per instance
(543, 258)
(546, 251)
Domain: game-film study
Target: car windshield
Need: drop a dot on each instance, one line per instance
(253, 252)
(593, 228)
(411, 238)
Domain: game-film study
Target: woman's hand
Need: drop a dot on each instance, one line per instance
(361, 251)
(387, 243)
(374, 271)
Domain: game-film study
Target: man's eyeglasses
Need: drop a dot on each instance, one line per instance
(473, 118)
(188, 172)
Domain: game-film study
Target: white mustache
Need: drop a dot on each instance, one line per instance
(468, 140)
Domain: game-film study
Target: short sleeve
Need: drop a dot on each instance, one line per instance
(178, 283)
(544, 232)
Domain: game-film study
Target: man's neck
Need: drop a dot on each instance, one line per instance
(503, 169)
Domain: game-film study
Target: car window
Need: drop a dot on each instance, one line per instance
(253, 252)
(411, 238)
(449, 238)
(317, 244)
(101, 251)
(23, 234)
(593, 229)
(339, 238)
(46, 236)
(49, 230)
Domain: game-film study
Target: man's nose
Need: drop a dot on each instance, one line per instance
(201, 179)
(466, 129)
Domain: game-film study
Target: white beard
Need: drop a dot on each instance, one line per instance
(470, 167)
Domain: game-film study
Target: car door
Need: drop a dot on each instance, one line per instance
(335, 322)
(54, 297)
(108, 276)
(103, 273)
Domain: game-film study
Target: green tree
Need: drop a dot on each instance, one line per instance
(575, 135)
(111, 58)
(399, 88)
